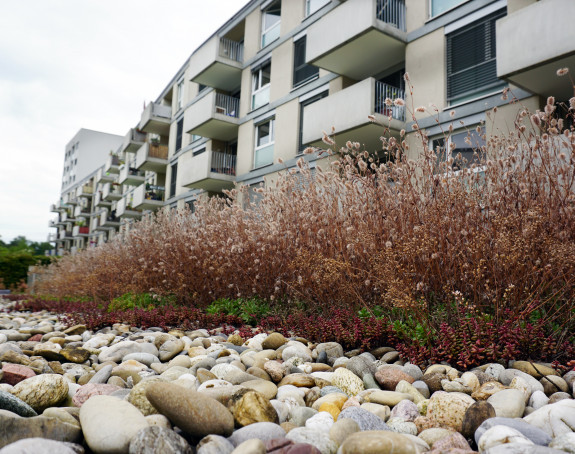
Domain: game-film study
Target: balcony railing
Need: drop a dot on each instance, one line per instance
(158, 151)
(224, 163)
(392, 12)
(154, 192)
(231, 49)
(227, 105)
(385, 92)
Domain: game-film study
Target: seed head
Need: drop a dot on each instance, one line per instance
(562, 71)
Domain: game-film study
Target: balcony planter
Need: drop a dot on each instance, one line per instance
(84, 230)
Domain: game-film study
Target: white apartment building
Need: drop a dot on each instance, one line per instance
(279, 73)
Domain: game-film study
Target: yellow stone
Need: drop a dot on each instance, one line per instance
(331, 409)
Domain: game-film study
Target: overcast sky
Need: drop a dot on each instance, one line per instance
(71, 64)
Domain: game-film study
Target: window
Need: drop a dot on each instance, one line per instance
(195, 137)
(173, 179)
(440, 6)
(302, 72)
(201, 87)
(180, 94)
(261, 85)
(468, 144)
(264, 152)
(311, 6)
(271, 20)
(191, 204)
(471, 60)
(179, 133)
(302, 106)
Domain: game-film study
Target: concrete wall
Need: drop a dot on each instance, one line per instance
(245, 159)
(502, 122)
(253, 34)
(286, 130)
(282, 71)
(293, 12)
(416, 13)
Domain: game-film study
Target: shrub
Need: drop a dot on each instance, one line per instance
(145, 301)
(250, 310)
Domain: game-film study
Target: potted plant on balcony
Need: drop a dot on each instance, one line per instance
(83, 228)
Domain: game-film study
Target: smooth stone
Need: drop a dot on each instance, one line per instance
(193, 412)
(214, 444)
(521, 448)
(365, 419)
(102, 375)
(347, 381)
(565, 442)
(42, 391)
(556, 397)
(334, 398)
(299, 415)
(137, 396)
(536, 435)
(62, 415)
(342, 429)
(274, 341)
(381, 411)
(369, 381)
(413, 370)
(275, 369)
(538, 400)
(321, 421)
(402, 426)
(449, 408)
(553, 384)
(361, 365)
(388, 378)
(74, 354)
(508, 375)
(406, 410)
(382, 442)
(15, 373)
(474, 417)
(389, 398)
(38, 445)
(509, 403)
(248, 407)
(92, 389)
(109, 424)
(555, 419)
(486, 390)
(154, 439)
(320, 440)
(253, 446)
(298, 380)
(14, 428)
(170, 349)
(407, 388)
(535, 370)
(422, 388)
(259, 430)
(498, 435)
(145, 358)
(434, 434)
(15, 405)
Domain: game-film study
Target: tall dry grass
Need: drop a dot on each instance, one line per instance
(414, 237)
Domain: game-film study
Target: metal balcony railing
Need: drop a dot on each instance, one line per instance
(154, 192)
(392, 12)
(227, 105)
(231, 49)
(224, 163)
(383, 92)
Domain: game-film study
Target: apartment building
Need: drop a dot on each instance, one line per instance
(278, 74)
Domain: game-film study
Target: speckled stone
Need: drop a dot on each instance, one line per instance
(15, 405)
(347, 381)
(42, 391)
(153, 440)
(449, 408)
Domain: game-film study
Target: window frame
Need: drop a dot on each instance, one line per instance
(271, 142)
(447, 141)
(433, 16)
(179, 134)
(308, 11)
(173, 179)
(265, 31)
(298, 45)
(180, 94)
(257, 87)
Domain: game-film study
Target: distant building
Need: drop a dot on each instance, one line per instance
(268, 82)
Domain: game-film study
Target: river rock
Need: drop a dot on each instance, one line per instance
(382, 442)
(364, 418)
(536, 435)
(449, 408)
(389, 378)
(193, 412)
(42, 391)
(259, 430)
(509, 403)
(474, 416)
(249, 407)
(14, 428)
(320, 440)
(347, 381)
(15, 373)
(152, 440)
(15, 405)
(43, 446)
(555, 419)
(92, 389)
(498, 435)
(534, 369)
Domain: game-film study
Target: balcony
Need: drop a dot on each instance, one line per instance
(211, 171)
(100, 201)
(156, 119)
(359, 38)
(72, 200)
(133, 140)
(80, 231)
(82, 211)
(348, 110)
(52, 237)
(218, 64)
(112, 165)
(533, 43)
(105, 177)
(214, 116)
(152, 157)
(130, 175)
(86, 190)
(149, 197)
(112, 192)
(108, 220)
(65, 234)
(54, 222)
(125, 208)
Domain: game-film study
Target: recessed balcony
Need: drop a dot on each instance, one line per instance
(348, 111)
(54, 222)
(100, 201)
(152, 157)
(218, 63)
(156, 119)
(149, 197)
(130, 175)
(534, 42)
(211, 171)
(105, 177)
(125, 208)
(108, 220)
(111, 192)
(113, 164)
(215, 116)
(65, 234)
(86, 190)
(359, 38)
(52, 237)
(82, 211)
(133, 140)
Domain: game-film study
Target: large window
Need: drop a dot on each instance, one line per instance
(173, 179)
(271, 20)
(302, 106)
(302, 72)
(179, 133)
(261, 85)
(311, 6)
(471, 60)
(264, 152)
(440, 6)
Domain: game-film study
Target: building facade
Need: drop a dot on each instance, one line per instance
(269, 82)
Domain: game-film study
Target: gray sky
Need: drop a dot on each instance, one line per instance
(71, 64)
